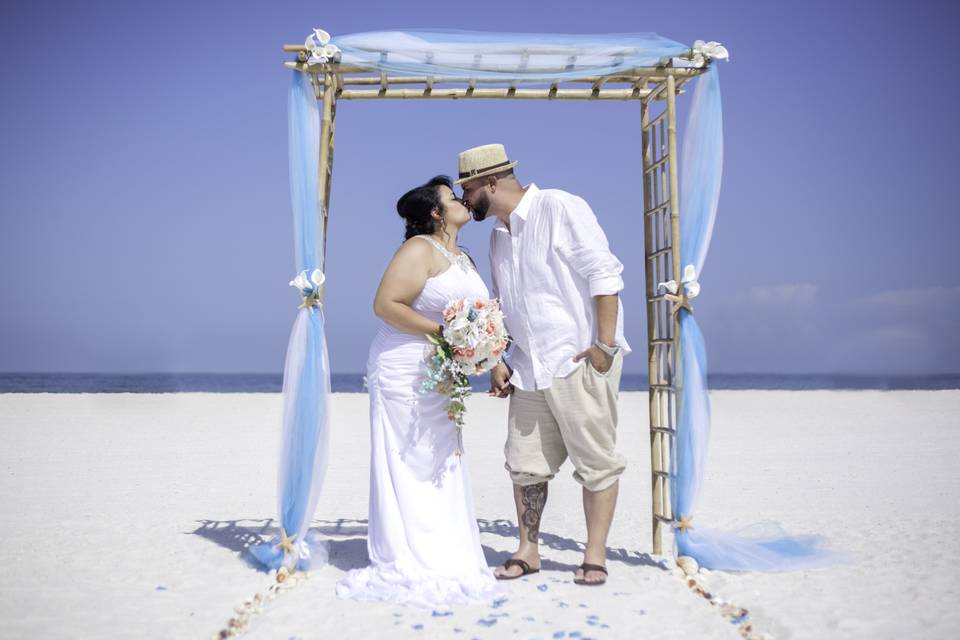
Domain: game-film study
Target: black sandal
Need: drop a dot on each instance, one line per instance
(517, 562)
(590, 567)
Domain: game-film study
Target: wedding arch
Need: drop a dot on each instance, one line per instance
(680, 195)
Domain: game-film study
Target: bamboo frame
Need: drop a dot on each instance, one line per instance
(661, 248)
(659, 85)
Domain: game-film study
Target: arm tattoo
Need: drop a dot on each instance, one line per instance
(533, 497)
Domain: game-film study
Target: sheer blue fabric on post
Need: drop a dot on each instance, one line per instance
(306, 376)
(504, 56)
(757, 548)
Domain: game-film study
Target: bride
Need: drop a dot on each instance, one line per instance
(423, 540)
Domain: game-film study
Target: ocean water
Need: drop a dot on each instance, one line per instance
(354, 383)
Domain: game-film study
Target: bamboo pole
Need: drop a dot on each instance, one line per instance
(653, 378)
(677, 370)
(325, 166)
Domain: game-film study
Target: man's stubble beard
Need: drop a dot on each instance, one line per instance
(481, 209)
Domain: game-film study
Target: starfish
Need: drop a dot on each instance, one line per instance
(683, 523)
(310, 301)
(286, 542)
(679, 302)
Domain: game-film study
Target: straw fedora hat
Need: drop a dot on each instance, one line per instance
(482, 161)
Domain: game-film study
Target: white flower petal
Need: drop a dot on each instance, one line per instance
(317, 277)
(670, 285)
(693, 289)
(301, 282)
(689, 274)
(330, 50)
(322, 36)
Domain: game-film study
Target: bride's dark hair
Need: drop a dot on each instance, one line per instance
(416, 205)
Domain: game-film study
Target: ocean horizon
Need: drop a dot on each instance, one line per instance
(354, 382)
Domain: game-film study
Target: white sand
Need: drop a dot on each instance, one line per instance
(124, 516)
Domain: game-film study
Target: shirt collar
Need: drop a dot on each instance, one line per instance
(523, 207)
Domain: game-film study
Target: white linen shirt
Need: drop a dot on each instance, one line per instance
(546, 268)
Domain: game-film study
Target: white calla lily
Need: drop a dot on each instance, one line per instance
(688, 280)
(317, 278)
(320, 48)
(704, 51)
(669, 285)
(301, 282)
(330, 50)
(322, 36)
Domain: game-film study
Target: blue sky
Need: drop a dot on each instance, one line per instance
(144, 210)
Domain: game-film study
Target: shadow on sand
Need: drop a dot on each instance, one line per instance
(348, 542)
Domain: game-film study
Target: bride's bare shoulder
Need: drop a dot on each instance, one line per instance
(414, 250)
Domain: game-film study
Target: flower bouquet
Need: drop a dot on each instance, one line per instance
(472, 342)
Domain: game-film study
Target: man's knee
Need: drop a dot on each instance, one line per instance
(603, 478)
(523, 479)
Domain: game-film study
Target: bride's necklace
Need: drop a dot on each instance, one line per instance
(461, 259)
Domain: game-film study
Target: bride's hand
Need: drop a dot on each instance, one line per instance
(500, 386)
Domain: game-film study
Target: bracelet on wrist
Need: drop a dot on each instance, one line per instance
(606, 348)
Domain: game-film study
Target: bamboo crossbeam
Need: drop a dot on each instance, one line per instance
(508, 93)
(654, 122)
(662, 205)
(656, 164)
(660, 252)
(653, 74)
(524, 51)
(631, 79)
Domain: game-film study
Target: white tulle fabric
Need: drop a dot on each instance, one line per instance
(423, 540)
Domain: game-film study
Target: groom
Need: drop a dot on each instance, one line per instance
(558, 283)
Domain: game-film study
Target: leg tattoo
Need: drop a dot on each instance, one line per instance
(533, 497)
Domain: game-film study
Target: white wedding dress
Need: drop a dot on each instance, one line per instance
(423, 540)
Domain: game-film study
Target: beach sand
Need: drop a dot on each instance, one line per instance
(126, 516)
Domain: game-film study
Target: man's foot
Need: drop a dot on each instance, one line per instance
(590, 574)
(517, 566)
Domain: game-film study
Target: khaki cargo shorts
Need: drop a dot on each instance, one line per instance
(577, 418)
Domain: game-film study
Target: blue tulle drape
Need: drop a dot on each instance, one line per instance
(306, 376)
(759, 548)
(504, 56)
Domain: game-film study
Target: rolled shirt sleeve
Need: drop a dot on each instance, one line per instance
(582, 243)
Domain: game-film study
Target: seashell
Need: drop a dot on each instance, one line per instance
(282, 574)
(688, 564)
(691, 582)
